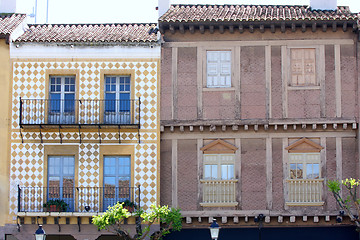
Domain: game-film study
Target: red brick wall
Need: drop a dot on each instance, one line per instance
(277, 174)
(187, 175)
(187, 84)
(330, 81)
(253, 92)
(219, 105)
(348, 80)
(349, 161)
(166, 84)
(276, 82)
(253, 174)
(165, 172)
(304, 104)
(330, 173)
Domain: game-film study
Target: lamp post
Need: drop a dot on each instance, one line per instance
(40, 233)
(214, 230)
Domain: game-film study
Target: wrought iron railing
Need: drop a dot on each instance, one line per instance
(305, 191)
(76, 199)
(219, 191)
(82, 112)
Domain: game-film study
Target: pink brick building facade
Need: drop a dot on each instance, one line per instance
(258, 111)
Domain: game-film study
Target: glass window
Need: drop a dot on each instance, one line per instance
(219, 166)
(61, 171)
(117, 175)
(304, 165)
(117, 99)
(62, 99)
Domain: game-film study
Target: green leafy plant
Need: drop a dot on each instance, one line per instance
(113, 220)
(129, 205)
(350, 203)
(59, 204)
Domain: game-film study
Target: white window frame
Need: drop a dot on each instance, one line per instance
(304, 159)
(304, 191)
(219, 160)
(218, 68)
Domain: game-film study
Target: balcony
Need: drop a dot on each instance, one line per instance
(77, 199)
(46, 112)
(305, 192)
(219, 193)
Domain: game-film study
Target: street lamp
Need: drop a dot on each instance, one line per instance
(40, 233)
(214, 230)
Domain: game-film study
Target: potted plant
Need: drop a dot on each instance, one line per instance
(56, 205)
(129, 205)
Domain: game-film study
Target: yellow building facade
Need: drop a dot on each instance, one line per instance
(84, 126)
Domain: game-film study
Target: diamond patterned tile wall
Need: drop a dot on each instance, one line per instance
(29, 83)
(26, 169)
(27, 161)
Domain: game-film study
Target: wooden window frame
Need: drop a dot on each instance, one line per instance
(317, 60)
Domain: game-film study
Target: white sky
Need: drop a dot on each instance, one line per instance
(134, 11)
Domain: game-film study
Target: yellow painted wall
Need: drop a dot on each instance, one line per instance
(5, 96)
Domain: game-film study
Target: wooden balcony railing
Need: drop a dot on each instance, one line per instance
(219, 193)
(305, 192)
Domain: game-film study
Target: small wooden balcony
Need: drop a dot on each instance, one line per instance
(305, 192)
(219, 193)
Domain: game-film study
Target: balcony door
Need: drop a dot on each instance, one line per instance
(62, 100)
(117, 177)
(117, 100)
(61, 172)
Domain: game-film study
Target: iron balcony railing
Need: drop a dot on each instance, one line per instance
(79, 112)
(77, 199)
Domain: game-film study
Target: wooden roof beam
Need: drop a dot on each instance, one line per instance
(272, 28)
(262, 28)
(313, 27)
(221, 29)
(303, 27)
(191, 28)
(211, 29)
(202, 29)
(241, 28)
(231, 29)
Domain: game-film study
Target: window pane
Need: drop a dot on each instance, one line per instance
(227, 172)
(296, 171)
(124, 102)
(110, 102)
(210, 172)
(69, 104)
(55, 102)
(124, 166)
(312, 171)
(109, 166)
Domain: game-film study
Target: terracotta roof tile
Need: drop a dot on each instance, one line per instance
(8, 23)
(252, 13)
(89, 33)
